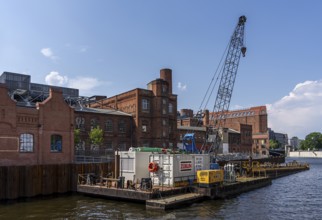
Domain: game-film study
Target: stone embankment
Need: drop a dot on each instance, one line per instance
(305, 154)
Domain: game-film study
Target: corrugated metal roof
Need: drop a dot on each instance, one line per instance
(101, 111)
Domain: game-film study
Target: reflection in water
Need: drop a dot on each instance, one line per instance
(293, 197)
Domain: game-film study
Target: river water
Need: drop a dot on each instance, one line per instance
(298, 196)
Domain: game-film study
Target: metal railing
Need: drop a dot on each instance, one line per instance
(94, 156)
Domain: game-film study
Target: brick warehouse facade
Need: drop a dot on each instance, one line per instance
(117, 127)
(31, 123)
(257, 118)
(237, 141)
(154, 111)
(41, 135)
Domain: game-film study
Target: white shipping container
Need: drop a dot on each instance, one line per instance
(174, 168)
(134, 165)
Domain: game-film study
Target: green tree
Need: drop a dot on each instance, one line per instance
(312, 141)
(96, 136)
(273, 144)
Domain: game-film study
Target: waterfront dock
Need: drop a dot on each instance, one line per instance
(164, 198)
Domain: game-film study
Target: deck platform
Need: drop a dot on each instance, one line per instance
(173, 202)
(164, 198)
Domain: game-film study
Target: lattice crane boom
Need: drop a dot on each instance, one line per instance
(227, 81)
(225, 89)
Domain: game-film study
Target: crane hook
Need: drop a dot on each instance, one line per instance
(243, 50)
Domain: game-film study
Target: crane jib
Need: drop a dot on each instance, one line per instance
(215, 126)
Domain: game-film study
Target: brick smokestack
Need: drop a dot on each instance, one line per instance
(166, 74)
(206, 117)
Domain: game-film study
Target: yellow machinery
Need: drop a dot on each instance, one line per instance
(209, 178)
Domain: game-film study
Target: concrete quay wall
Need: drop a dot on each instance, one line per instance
(305, 154)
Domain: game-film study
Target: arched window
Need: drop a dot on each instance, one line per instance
(26, 143)
(56, 143)
(80, 123)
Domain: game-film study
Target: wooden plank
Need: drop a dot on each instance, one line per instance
(174, 201)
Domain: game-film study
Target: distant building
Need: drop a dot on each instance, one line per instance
(254, 116)
(27, 93)
(234, 141)
(295, 142)
(281, 138)
(185, 118)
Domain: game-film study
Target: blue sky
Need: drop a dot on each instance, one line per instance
(109, 47)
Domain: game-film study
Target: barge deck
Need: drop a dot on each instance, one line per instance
(164, 198)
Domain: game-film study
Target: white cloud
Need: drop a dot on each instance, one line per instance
(236, 107)
(84, 84)
(55, 79)
(47, 52)
(182, 87)
(83, 49)
(298, 113)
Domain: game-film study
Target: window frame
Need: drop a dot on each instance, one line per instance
(55, 148)
(170, 108)
(24, 139)
(122, 126)
(145, 105)
(109, 127)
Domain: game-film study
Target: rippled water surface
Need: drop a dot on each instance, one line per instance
(298, 196)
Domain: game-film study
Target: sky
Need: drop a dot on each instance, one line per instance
(107, 47)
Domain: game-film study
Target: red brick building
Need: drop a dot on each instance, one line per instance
(154, 111)
(241, 141)
(236, 141)
(254, 116)
(41, 135)
(116, 125)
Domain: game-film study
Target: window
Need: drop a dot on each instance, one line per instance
(122, 126)
(164, 89)
(164, 110)
(56, 143)
(94, 123)
(109, 125)
(26, 143)
(170, 108)
(80, 123)
(145, 105)
(109, 146)
(145, 126)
